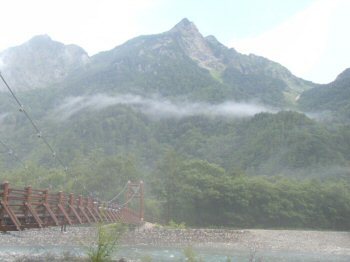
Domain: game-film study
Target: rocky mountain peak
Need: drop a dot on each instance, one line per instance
(40, 38)
(185, 26)
(40, 42)
(195, 45)
(40, 62)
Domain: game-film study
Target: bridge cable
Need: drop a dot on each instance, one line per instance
(10, 151)
(116, 196)
(131, 198)
(39, 134)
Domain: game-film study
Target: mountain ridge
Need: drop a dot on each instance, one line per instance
(195, 119)
(40, 62)
(331, 101)
(159, 63)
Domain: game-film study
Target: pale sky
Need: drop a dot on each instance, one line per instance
(309, 37)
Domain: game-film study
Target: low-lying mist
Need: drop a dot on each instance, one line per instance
(158, 107)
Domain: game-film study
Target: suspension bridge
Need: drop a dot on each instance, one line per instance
(23, 208)
(37, 208)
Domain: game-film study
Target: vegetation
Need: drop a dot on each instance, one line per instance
(279, 169)
(190, 255)
(174, 225)
(203, 194)
(329, 102)
(106, 242)
(272, 170)
(286, 143)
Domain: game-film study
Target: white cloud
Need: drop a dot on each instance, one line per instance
(158, 107)
(299, 42)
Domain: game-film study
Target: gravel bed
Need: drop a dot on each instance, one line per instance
(320, 242)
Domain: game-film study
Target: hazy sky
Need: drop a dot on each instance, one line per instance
(309, 37)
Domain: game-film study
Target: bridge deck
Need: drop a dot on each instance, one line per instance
(37, 208)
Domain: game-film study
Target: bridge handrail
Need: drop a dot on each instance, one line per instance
(37, 208)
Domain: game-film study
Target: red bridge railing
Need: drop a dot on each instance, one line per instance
(38, 208)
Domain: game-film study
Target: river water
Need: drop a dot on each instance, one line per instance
(177, 254)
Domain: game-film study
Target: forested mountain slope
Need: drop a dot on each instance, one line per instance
(177, 63)
(211, 130)
(331, 101)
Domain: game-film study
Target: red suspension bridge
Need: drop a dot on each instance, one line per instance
(22, 208)
(37, 208)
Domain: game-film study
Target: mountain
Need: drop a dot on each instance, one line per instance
(179, 63)
(284, 143)
(182, 63)
(330, 101)
(175, 91)
(40, 62)
(205, 126)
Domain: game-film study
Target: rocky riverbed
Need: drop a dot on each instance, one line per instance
(320, 242)
(278, 240)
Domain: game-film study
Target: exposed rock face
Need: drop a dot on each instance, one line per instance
(210, 54)
(167, 64)
(195, 45)
(40, 62)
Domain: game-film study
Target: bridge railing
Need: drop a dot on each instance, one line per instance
(38, 208)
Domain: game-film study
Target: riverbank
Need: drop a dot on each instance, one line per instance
(318, 242)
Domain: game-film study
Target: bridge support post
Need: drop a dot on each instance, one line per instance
(128, 194)
(142, 207)
(72, 210)
(60, 206)
(29, 208)
(48, 210)
(4, 202)
(90, 212)
(82, 210)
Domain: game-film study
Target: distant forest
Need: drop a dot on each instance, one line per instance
(279, 170)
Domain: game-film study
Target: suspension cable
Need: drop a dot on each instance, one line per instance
(121, 192)
(12, 152)
(132, 197)
(39, 134)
